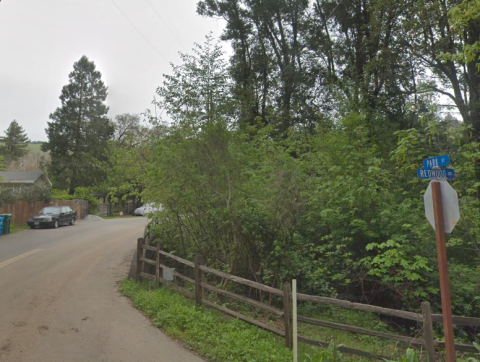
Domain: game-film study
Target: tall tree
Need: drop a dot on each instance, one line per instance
(267, 63)
(129, 152)
(199, 89)
(295, 60)
(14, 142)
(445, 37)
(79, 130)
(129, 132)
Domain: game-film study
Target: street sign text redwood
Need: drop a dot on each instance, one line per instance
(445, 173)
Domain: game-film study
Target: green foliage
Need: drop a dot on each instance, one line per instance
(9, 195)
(464, 19)
(1, 178)
(61, 195)
(299, 161)
(343, 217)
(129, 132)
(36, 193)
(477, 358)
(452, 52)
(79, 130)
(410, 356)
(18, 227)
(370, 321)
(198, 89)
(81, 193)
(330, 354)
(14, 143)
(209, 333)
(128, 153)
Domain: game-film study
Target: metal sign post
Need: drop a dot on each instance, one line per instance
(431, 170)
(443, 271)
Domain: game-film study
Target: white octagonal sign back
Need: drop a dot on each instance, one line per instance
(451, 211)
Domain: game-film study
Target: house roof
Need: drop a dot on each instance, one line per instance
(22, 177)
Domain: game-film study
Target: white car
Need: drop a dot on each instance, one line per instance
(145, 209)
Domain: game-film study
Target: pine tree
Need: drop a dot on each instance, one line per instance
(15, 142)
(79, 130)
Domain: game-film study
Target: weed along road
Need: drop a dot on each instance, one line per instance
(59, 299)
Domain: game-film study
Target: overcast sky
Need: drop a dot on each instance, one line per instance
(40, 41)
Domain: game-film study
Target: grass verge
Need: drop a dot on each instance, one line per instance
(208, 332)
(116, 216)
(220, 338)
(18, 227)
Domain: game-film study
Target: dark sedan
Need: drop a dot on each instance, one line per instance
(53, 216)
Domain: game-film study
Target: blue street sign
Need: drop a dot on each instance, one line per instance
(438, 161)
(447, 173)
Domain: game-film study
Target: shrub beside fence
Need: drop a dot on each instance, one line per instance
(199, 284)
(23, 210)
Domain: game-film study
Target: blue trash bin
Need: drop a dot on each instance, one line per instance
(1, 225)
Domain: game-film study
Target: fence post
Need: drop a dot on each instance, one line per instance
(139, 256)
(157, 266)
(287, 314)
(428, 331)
(198, 281)
(294, 320)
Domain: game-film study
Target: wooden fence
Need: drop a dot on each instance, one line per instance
(23, 210)
(199, 285)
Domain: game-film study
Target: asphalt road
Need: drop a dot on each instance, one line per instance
(59, 298)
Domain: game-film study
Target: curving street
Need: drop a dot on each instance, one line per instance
(59, 299)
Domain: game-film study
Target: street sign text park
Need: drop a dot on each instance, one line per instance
(438, 161)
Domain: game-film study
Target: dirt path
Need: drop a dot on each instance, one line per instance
(59, 300)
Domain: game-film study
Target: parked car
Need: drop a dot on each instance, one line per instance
(145, 209)
(53, 216)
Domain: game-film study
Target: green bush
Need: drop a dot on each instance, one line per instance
(410, 356)
(81, 193)
(477, 355)
(7, 196)
(61, 195)
(330, 354)
(30, 193)
(36, 193)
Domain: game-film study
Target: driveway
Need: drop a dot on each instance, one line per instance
(59, 299)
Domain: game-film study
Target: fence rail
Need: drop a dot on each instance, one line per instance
(23, 210)
(358, 306)
(425, 319)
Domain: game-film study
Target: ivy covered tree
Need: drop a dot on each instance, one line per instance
(79, 130)
(15, 142)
